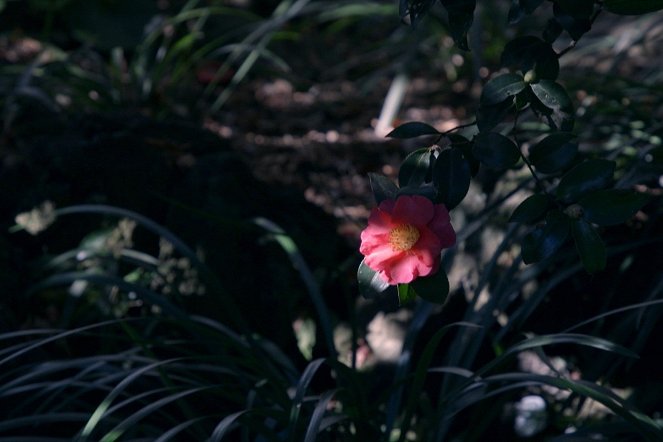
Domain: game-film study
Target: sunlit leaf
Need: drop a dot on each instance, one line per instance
(554, 97)
(415, 168)
(500, 88)
(495, 150)
(589, 245)
(370, 282)
(412, 129)
(585, 177)
(611, 206)
(383, 188)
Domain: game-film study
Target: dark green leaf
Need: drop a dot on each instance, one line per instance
(490, 116)
(553, 153)
(521, 7)
(552, 31)
(465, 145)
(633, 7)
(585, 177)
(383, 188)
(500, 88)
(433, 288)
(370, 282)
(544, 241)
(589, 245)
(412, 129)
(577, 8)
(531, 53)
(461, 16)
(415, 168)
(531, 209)
(427, 190)
(516, 12)
(405, 294)
(554, 97)
(495, 150)
(530, 6)
(576, 27)
(412, 11)
(451, 177)
(611, 206)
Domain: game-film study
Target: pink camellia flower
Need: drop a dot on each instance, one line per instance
(404, 238)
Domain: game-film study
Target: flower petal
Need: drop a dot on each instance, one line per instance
(413, 209)
(380, 256)
(441, 226)
(387, 206)
(379, 223)
(428, 247)
(406, 268)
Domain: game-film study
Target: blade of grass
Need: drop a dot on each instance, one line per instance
(306, 378)
(318, 414)
(299, 263)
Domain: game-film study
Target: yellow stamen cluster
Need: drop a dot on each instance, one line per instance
(403, 237)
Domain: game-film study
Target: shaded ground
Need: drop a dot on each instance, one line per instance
(324, 142)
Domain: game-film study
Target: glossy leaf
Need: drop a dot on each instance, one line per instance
(553, 153)
(531, 209)
(544, 241)
(589, 245)
(412, 129)
(611, 206)
(554, 97)
(633, 7)
(383, 188)
(461, 16)
(415, 168)
(495, 150)
(406, 294)
(433, 288)
(370, 282)
(531, 53)
(451, 177)
(585, 177)
(500, 88)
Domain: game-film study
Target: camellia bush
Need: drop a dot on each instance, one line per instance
(574, 194)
